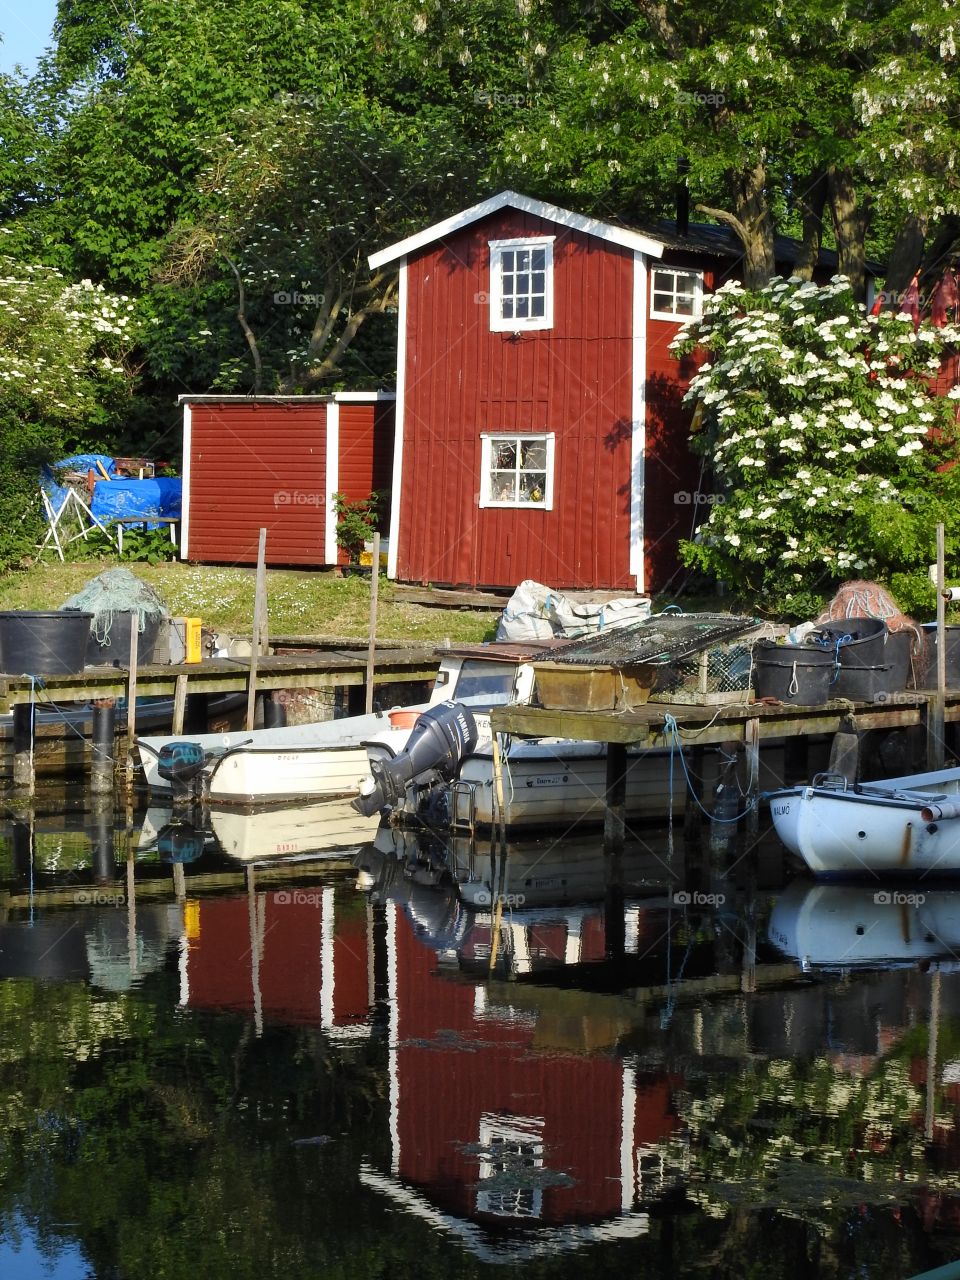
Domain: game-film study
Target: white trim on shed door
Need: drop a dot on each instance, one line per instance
(185, 473)
(332, 470)
(398, 423)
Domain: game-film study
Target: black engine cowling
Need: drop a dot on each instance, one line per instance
(438, 742)
(182, 764)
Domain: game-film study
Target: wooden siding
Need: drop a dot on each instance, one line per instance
(252, 467)
(573, 380)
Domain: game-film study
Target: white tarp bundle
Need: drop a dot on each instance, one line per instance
(534, 612)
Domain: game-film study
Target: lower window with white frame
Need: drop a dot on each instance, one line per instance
(516, 470)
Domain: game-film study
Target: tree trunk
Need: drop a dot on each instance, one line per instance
(850, 227)
(905, 255)
(811, 204)
(752, 223)
(247, 331)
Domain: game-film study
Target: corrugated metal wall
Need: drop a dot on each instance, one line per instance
(252, 467)
(463, 380)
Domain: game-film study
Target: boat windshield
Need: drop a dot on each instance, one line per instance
(494, 681)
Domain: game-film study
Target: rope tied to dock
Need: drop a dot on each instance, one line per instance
(672, 729)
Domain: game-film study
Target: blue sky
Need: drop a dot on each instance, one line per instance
(25, 26)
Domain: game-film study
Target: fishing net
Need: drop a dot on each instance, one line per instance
(117, 591)
(860, 599)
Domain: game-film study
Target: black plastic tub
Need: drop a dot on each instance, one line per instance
(33, 642)
(800, 674)
(927, 676)
(873, 661)
(114, 649)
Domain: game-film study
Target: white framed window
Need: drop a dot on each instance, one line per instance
(511, 1154)
(521, 284)
(675, 293)
(516, 469)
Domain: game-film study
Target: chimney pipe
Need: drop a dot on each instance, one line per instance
(683, 197)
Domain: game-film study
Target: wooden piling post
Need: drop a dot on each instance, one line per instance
(692, 811)
(751, 751)
(372, 644)
(132, 703)
(179, 704)
(259, 625)
(615, 818)
(102, 761)
(937, 703)
(24, 775)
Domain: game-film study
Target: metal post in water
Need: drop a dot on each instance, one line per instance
(104, 737)
(372, 643)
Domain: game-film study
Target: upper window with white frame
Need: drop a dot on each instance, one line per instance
(516, 470)
(676, 293)
(521, 284)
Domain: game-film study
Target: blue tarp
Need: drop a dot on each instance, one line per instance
(117, 498)
(127, 499)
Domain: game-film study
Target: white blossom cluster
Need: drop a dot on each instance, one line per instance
(815, 418)
(60, 343)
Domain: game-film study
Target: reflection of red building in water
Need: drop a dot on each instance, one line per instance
(292, 956)
(493, 1128)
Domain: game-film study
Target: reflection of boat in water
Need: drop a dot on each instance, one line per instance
(309, 830)
(901, 826)
(846, 926)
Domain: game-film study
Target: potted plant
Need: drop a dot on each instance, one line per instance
(356, 525)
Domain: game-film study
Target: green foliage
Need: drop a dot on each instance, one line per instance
(831, 456)
(25, 447)
(149, 546)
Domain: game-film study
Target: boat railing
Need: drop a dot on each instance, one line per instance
(831, 781)
(466, 792)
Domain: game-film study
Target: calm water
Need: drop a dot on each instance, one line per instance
(297, 1069)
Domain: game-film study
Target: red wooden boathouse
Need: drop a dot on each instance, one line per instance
(275, 462)
(540, 431)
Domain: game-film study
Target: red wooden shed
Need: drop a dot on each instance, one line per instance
(540, 431)
(275, 462)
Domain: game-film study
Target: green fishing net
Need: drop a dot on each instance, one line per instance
(117, 591)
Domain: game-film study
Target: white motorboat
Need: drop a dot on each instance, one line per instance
(547, 782)
(328, 759)
(907, 826)
(845, 926)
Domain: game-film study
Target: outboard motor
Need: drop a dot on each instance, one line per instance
(440, 739)
(182, 764)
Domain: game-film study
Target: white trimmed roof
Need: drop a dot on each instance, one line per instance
(511, 200)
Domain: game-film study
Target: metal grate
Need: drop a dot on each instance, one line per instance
(664, 638)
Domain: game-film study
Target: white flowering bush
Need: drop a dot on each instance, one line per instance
(63, 383)
(830, 452)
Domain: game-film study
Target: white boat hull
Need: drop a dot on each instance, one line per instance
(877, 829)
(554, 783)
(278, 766)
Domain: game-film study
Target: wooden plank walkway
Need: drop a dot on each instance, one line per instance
(228, 675)
(646, 726)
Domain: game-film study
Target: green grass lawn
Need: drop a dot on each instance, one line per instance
(300, 603)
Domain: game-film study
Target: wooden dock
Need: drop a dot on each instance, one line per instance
(661, 725)
(341, 668)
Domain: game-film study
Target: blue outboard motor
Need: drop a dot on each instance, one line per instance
(181, 764)
(438, 742)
